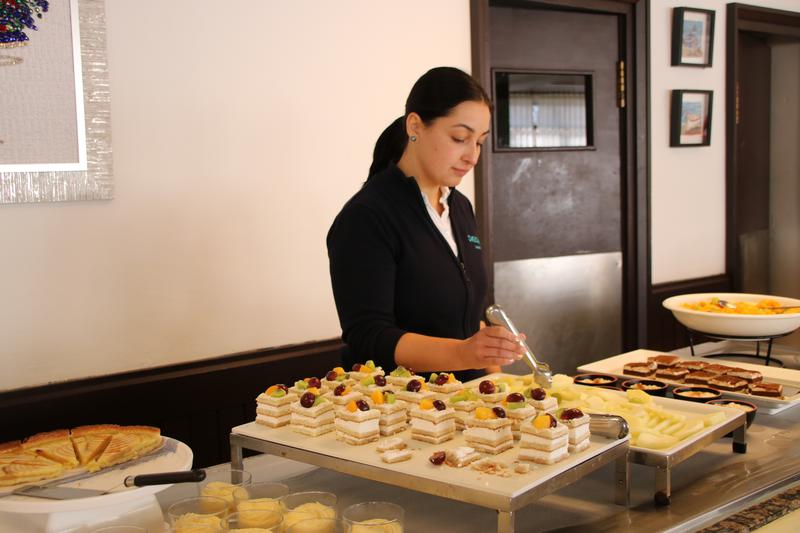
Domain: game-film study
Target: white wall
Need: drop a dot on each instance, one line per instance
(238, 133)
(688, 184)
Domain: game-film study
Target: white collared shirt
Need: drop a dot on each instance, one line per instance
(442, 222)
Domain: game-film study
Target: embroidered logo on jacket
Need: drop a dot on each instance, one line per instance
(476, 242)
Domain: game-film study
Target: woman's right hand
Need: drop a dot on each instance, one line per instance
(492, 345)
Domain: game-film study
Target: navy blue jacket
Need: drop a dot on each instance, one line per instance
(393, 272)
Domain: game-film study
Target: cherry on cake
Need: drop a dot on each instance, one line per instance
(312, 415)
(416, 390)
(394, 412)
(370, 384)
(432, 421)
(444, 383)
(577, 429)
(357, 423)
(491, 392)
(518, 411)
(541, 401)
(360, 371)
(464, 403)
(273, 407)
(336, 377)
(302, 385)
(344, 394)
(544, 440)
(489, 430)
(641, 369)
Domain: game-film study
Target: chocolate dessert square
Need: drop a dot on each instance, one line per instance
(717, 369)
(692, 366)
(700, 377)
(672, 374)
(641, 368)
(665, 361)
(750, 375)
(763, 388)
(728, 383)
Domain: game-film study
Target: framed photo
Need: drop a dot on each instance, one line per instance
(692, 37)
(690, 118)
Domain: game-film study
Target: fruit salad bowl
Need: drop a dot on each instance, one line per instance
(731, 324)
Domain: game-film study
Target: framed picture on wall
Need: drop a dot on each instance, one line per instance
(690, 118)
(692, 37)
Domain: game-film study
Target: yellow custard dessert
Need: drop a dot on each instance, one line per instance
(260, 504)
(305, 511)
(194, 522)
(376, 525)
(227, 491)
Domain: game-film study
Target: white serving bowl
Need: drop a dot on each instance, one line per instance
(733, 325)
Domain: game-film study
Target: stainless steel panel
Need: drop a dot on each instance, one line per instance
(569, 307)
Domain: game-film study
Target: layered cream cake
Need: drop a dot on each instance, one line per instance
(489, 430)
(461, 456)
(577, 429)
(464, 403)
(518, 411)
(336, 377)
(344, 394)
(394, 412)
(357, 423)
(302, 385)
(273, 407)
(491, 393)
(372, 383)
(416, 390)
(432, 421)
(544, 440)
(444, 383)
(540, 400)
(312, 415)
(360, 371)
(400, 376)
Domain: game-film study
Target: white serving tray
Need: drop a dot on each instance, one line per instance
(464, 484)
(111, 479)
(790, 379)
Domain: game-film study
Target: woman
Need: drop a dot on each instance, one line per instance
(405, 259)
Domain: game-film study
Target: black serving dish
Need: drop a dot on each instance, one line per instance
(650, 386)
(696, 394)
(596, 380)
(750, 413)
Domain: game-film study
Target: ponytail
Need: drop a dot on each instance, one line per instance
(389, 147)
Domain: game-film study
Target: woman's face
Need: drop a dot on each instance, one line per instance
(449, 147)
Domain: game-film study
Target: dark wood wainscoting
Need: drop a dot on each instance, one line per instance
(197, 403)
(663, 331)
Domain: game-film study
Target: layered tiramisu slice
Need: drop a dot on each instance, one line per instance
(728, 383)
(416, 390)
(357, 423)
(699, 377)
(432, 421)
(464, 402)
(577, 428)
(717, 369)
(641, 369)
(692, 365)
(394, 412)
(273, 407)
(764, 388)
(444, 383)
(489, 430)
(665, 361)
(312, 415)
(544, 440)
(518, 411)
(673, 373)
(540, 400)
(751, 376)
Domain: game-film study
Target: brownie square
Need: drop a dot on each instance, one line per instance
(763, 388)
(692, 366)
(717, 369)
(672, 374)
(728, 383)
(642, 369)
(699, 377)
(749, 375)
(665, 361)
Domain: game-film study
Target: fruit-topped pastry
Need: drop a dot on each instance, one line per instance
(360, 371)
(343, 394)
(371, 383)
(444, 383)
(492, 392)
(394, 412)
(400, 376)
(539, 399)
(357, 423)
(489, 430)
(464, 402)
(517, 410)
(578, 425)
(302, 385)
(312, 414)
(432, 421)
(415, 391)
(273, 406)
(336, 377)
(544, 440)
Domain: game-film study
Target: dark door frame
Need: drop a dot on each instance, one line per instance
(634, 125)
(764, 21)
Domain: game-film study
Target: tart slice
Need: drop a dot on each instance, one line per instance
(90, 441)
(54, 445)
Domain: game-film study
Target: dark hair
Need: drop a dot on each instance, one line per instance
(434, 95)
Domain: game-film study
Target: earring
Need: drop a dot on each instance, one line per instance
(413, 138)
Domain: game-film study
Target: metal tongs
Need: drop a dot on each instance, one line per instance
(541, 371)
